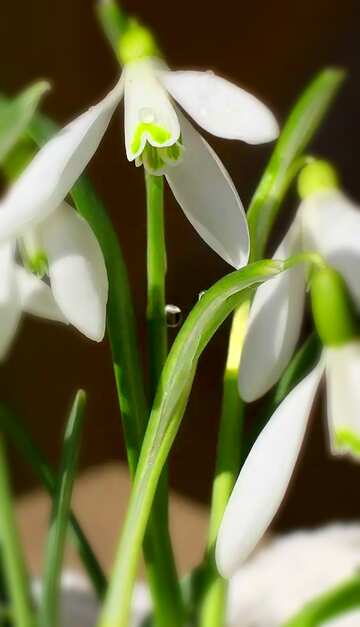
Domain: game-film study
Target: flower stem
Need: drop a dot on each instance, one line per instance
(156, 272)
(164, 584)
(213, 602)
(15, 570)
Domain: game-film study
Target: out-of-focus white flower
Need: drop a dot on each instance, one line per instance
(63, 247)
(290, 571)
(326, 222)
(265, 476)
(159, 136)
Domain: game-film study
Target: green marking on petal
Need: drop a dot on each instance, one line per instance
(344, 438)
(157, 133)
(172, 154)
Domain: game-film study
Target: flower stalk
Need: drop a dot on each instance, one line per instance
(213, 602)
(156, 273)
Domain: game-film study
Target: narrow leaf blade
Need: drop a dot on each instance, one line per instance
(49, 608)
(15, 431)
(303, 122)
(16, 114)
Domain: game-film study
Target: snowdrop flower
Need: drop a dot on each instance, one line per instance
(64, 248)
(160, 137)
(265, 476)
(326, 222)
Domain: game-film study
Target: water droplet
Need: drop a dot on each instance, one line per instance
(173, 316)
(201, 294)
(146, 115)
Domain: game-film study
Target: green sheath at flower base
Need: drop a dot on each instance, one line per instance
(317, 176)
(136, 43)
(348, 439)
(332, 308)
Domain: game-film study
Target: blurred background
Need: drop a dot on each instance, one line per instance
(271, 47)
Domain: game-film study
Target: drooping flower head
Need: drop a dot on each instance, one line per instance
(159, 136)
(326, 222)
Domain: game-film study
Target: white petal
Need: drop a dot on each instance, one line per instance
(56, 167)
(206, 194)
(36, 296)
(274, 324)
(265, 476)
(343, 398)
(10, 307)
(331, 226)
(77, 271)
(220, 107)
(149, 114)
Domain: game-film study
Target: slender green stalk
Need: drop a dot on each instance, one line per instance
(164, 583)
(49, 607)
(16, 431)
(15, 569)
(213, 602)
(113, 21)
(156, 273)
(339, 600)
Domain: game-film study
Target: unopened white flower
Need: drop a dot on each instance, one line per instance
(75, 288)
(265, 476)
(158, 135)
(328, 223)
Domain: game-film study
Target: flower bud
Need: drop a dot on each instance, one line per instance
(332, 308)
(317, 176)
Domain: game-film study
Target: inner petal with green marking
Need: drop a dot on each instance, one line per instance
(156, 160)
(153, 132)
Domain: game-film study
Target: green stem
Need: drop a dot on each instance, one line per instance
(113, 21)
(156, 272)
(213, 602)
(161, 567)
(15, 570)
(339, 600)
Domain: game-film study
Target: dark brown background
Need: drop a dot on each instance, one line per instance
(273, 47)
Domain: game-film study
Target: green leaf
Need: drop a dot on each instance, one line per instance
(12, 552)
(16, 114)
(15, 430)
(335, 602)
(49, 607)
(303, 122)
(169, 406)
